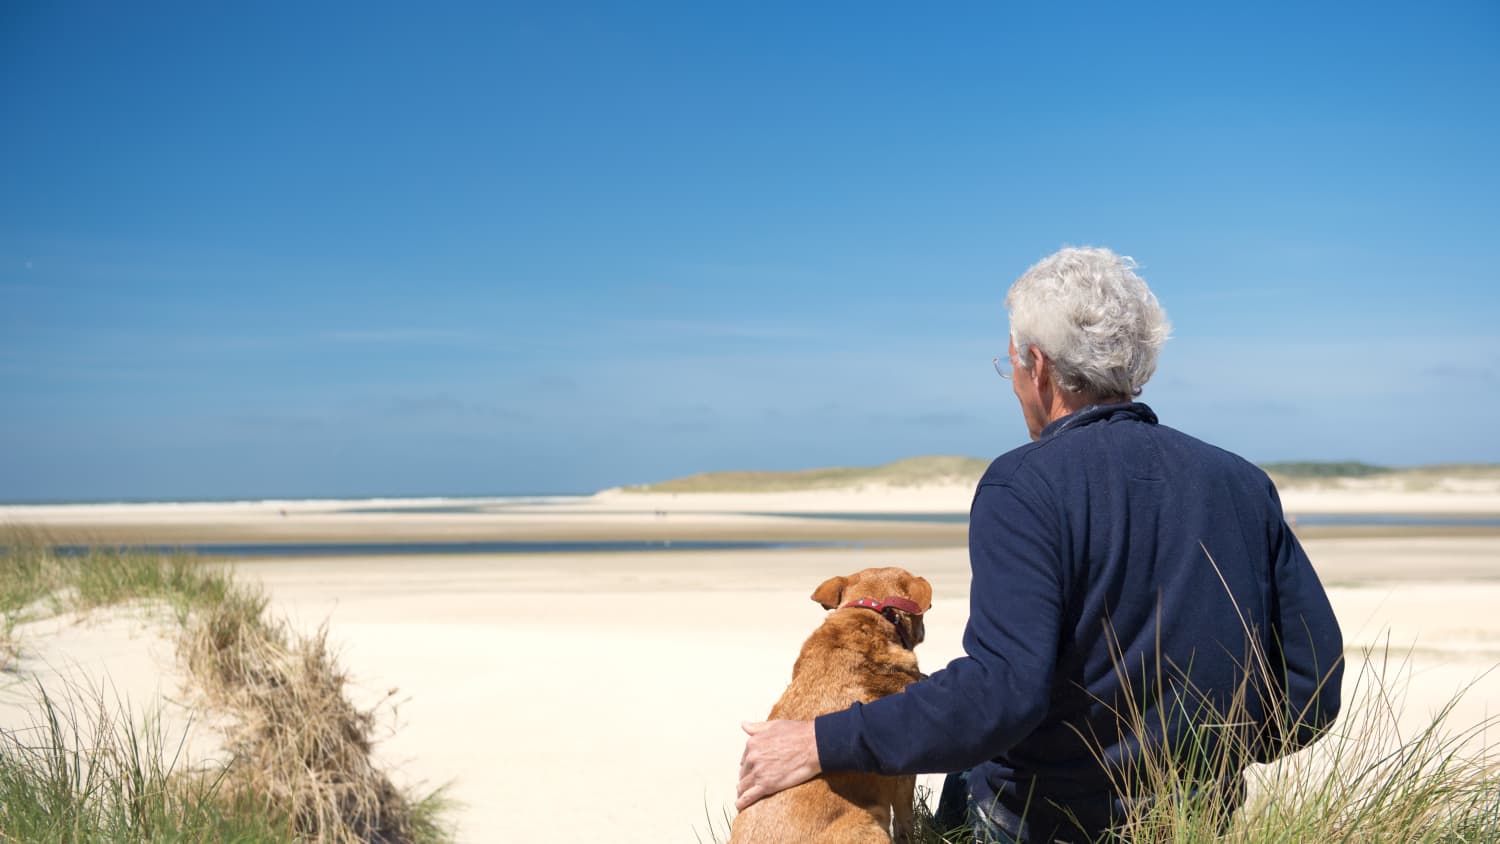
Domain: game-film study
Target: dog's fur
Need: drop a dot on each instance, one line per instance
(856, 655)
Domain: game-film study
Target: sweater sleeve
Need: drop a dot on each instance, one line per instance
(985, 702)
(1310, 646)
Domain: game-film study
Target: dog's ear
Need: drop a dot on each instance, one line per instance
(831, 593)
(920, 591)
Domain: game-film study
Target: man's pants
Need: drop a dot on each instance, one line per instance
(992, 824)
(996, 824)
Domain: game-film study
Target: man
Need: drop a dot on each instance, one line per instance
(1136, 595)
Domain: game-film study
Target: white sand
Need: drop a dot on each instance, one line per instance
(599, 694)
(1373, 495)
(117, 667)
(537, 684)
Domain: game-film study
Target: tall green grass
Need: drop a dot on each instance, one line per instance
(1367, 781)
(37, 581)
(87, 772)
(1371, 779)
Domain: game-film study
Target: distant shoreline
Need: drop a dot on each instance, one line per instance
(874, 515)
(285, 499)
(911, 473)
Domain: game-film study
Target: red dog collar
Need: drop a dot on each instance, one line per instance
(901, 604)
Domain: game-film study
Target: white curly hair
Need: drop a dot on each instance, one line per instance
(1093, 317)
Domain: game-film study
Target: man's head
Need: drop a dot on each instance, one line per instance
(1096, 325)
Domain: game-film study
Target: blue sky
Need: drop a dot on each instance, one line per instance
(376, 249)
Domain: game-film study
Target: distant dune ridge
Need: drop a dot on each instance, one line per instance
(930, 470)
(943, 470)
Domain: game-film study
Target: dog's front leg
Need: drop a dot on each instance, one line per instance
(903, 813)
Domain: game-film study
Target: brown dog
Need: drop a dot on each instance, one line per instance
(863, 651)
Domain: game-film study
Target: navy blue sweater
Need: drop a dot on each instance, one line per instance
(1118, 565)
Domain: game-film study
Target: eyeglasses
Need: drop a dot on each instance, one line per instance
(1003, 372)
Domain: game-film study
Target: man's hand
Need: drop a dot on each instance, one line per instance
(778, 755)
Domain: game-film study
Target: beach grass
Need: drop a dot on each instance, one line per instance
(299, 766)
(87, 771)
(1366, 780)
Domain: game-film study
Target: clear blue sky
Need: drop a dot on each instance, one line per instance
(254, 250)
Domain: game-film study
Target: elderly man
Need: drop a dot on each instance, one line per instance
(1136, 595)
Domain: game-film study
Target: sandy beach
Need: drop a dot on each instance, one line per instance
(603, 691)
(934, 516)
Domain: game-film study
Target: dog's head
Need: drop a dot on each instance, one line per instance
(877, 585)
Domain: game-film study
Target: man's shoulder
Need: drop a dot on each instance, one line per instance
(1215, 457)
(1045, 460)
(1023, 464)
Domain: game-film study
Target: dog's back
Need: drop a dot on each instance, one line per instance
(856, 655)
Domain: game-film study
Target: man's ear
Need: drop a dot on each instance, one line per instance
(921, 592)
(831, 593)
(1040, 363)
(1044, 373)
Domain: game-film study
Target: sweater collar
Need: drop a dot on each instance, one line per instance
(1095, 412)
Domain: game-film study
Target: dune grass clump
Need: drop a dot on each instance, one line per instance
(301, 767)
(1371, 780)
(299, 744)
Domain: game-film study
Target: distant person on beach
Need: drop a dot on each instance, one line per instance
(1135, 593)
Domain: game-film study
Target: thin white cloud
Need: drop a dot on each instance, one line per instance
(397, 336)
(21, 287)
(1468, 374)
(1237, 294)
(75, 373)
(750, 271)
(443, 404)
(716, 329)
